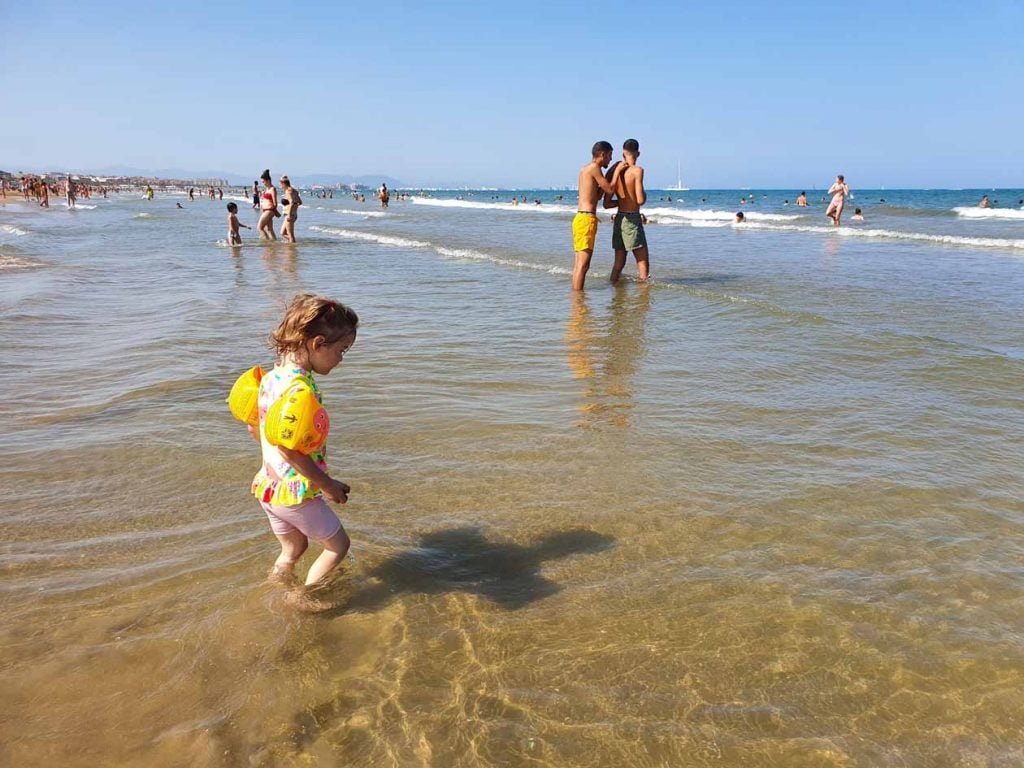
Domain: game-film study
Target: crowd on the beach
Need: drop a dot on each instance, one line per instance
(39, 189)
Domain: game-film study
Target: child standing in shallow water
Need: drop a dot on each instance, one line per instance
(234, 236)
(313, 338)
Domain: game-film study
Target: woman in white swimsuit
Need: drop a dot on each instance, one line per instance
(839, 191)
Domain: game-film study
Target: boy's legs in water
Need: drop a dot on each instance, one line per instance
(579, 272)
(643, 264)
(643, 269)
(618, 265)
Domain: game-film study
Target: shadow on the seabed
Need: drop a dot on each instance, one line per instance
(464, 560)
(699, 279)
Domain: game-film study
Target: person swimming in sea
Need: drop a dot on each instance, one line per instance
(857, 215)
(984, 203)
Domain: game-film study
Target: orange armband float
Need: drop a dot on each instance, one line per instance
(244, 398)
(296, 420)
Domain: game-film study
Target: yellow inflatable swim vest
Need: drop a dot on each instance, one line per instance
(244, 398)
(296, 420)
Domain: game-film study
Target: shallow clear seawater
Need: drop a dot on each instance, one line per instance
(764, 511)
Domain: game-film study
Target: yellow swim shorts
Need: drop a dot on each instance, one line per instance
(584, 231)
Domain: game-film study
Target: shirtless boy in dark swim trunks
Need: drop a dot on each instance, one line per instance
(628, 231)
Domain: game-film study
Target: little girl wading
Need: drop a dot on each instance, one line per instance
(313, 338)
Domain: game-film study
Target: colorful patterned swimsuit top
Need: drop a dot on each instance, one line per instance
(278, 482)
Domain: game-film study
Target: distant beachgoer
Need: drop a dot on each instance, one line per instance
(44, 194)
(292, 487)
(149, 192)
(743, 201)
(801, 200)
(220, 193)
(628, 229)
(857, 215)
(383, 195)
(255, 195)
(268, 208)
(234, 236)
(291, 204)
(670, 198)
(984, 202)
(69, 191)
(839, 191)
(584, 224)
(740, 218)
(191, 193)
(179, 205)
(3, 188)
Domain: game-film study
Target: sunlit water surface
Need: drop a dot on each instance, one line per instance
(765, 511)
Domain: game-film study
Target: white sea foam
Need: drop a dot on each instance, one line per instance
(12, 230)
(350, 212)
(686, 216)
(496, 205)
(142, 215)
(369, 214)
(973, 212)
(891, 234)
(451, 253)
(369, 237)
(10, 262)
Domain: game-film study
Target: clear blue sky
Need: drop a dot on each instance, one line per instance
(761, 94)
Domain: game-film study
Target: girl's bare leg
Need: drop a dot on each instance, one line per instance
(293, 544)
(335, 549)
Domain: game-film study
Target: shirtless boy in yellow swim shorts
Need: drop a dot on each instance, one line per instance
(593, 185)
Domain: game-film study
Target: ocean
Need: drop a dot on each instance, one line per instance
(764, 510)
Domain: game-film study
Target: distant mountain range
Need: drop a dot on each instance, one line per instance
(302, 180)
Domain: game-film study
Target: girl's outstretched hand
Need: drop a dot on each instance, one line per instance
(336, 491)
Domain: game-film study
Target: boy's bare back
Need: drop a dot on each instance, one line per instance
(630, 190)
(591, 185)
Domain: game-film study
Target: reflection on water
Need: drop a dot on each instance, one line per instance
(604, 354)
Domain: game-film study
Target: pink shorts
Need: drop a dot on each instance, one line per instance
(314, 518)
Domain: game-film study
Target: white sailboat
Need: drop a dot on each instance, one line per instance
(679, 180)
